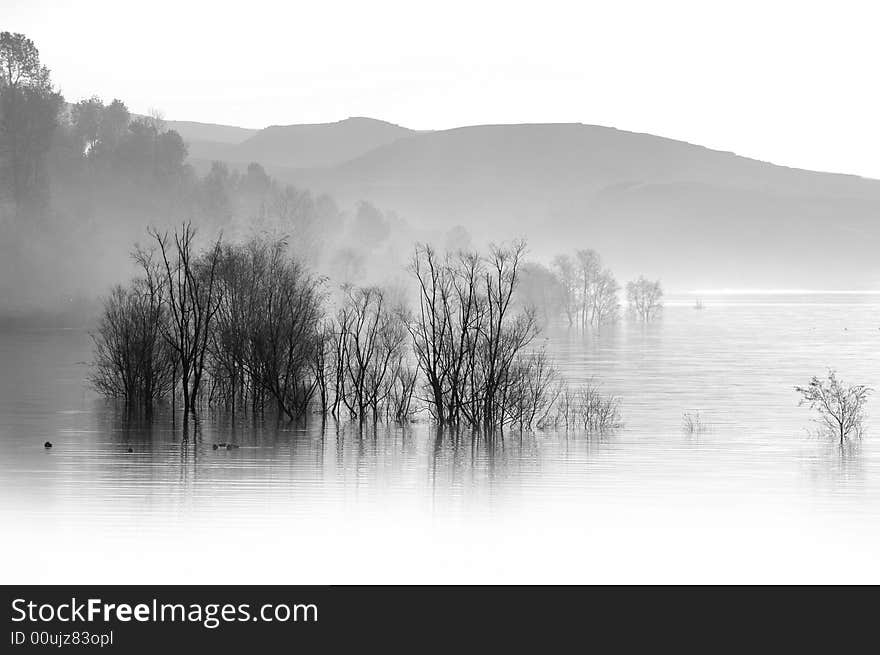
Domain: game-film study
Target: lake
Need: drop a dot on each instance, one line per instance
(756, 496)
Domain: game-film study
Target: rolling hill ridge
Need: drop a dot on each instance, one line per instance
(692, 216)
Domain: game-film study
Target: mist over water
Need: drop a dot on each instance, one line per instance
(306, 502)
(468, 314)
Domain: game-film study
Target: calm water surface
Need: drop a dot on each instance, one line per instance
(755, 497)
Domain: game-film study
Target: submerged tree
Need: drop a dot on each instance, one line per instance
(132, 361)
(284, 322)
(589, 268)
(192, 302)
(644, 298)
(541, 289)
(470, 344)
(264, 335)
(604, 302)
(594, 288)
(233, 324)
(841, 407)
(586, 408)
(370, 355)
(565, 271)
(244, 326)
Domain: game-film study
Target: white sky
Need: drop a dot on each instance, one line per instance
(794, 83)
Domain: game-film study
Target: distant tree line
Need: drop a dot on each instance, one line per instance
(29, 109)
(71, 173)
(585, 294)
(136, 165)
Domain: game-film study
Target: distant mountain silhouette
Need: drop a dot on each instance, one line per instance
(208, 132)
(315, 145)
(692, 216)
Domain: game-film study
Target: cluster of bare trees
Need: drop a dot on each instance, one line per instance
(471, 345)
(585, 408)
(589, 291)
(366, 357)
(585, 292)
(133, 360)
(231, 325)
(265, 335)
(644, 298)
(191, 301)
(153, 336)
(246, 326)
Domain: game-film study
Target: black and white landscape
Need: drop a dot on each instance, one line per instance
(362, 350)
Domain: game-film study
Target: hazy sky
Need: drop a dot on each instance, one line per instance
(795, 83)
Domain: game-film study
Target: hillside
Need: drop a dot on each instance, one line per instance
(693, 216)
(309, 146)
(208, 132)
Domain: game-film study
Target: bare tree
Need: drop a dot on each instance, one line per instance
(369, 351)
(230, 345)
(565, 271)
(541, 290)
(401, 389)
(584, 407)
(693, 423)
(502, 338)
(841, 407)
(267, 339)
(466, 312)
(431, 329)
(535, 390)
(157, 358)
(284, 336)
(598, 412)
(193, 303)
(322, 370)
(132, 360)
(589, 267)
(466, 337)
(597, 290)
(644, 298)
(604, 302)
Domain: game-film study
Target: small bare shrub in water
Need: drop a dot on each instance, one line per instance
(132, 361)
(533, 392)
(692, 423)
(598, 412)
(841, 407)
(587, 408)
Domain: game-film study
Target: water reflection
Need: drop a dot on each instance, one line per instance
(735, 362)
